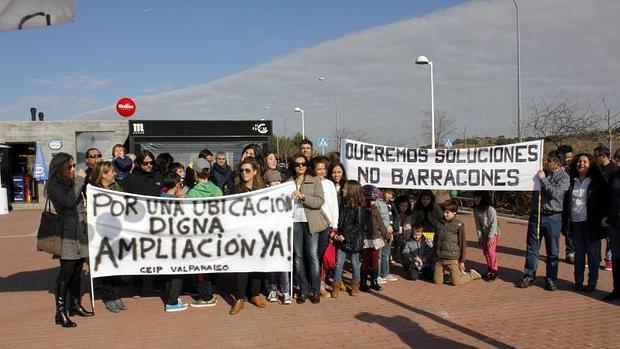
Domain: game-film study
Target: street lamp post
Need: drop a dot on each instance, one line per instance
(424, 60)
(518, 76)
(303, 123)
(321, 78)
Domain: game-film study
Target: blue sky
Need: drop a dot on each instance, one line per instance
(117, 48)
(207, 60)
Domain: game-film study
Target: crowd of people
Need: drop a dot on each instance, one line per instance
(337, 220)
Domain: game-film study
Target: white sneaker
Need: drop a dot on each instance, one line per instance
(381, 280)
(391, 277)
(199, 303)
(474, 274)
(287, 299)
(272, 297)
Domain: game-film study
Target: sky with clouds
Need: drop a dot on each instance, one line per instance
(264, 60)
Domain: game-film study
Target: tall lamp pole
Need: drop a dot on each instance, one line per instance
(425, 61)
(303, 123)
(518, 75)
(321, 78)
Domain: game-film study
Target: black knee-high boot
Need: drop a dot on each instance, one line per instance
(364, 281)
(373, 280)
(62, 318)
(75, 307)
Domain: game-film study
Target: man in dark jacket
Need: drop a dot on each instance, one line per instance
(612, 222)
(93, 156)
(602, 157)
(222, 173)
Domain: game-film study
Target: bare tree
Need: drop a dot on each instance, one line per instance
(557, 119)
(608, 120)
(343, 133)
(444, 126)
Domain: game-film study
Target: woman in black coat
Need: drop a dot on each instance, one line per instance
(144, 180)
(64, 191)
(584, 206)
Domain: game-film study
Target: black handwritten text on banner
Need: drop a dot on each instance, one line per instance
(133, 234)
(507, 167)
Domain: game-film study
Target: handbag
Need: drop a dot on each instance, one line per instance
(329, 257)
(49, 235)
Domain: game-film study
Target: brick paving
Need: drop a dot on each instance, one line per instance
(405, 315)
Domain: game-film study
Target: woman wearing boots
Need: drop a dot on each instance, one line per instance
(375, 233)
(308, 222)
(64, 191)
(350, 235)
(104, 176)
(248, 179)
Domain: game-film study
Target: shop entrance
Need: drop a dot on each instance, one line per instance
(17, 169)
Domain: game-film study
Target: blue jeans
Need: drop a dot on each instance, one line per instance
(585, 247)
(550, 227)
(282, 278)
(384, 260)
(355, 260)
(305, 245)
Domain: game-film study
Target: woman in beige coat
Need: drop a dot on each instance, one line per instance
(308, 220)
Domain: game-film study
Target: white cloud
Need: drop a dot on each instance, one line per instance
(82, 82)
(566, 45)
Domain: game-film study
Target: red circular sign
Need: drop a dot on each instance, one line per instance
(126, 107)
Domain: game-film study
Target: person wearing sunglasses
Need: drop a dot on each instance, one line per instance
(63, 190)
(93, 157)
(247, 284)
(144, 181)
(308, 221)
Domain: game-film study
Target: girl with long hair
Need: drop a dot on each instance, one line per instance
(248, 179)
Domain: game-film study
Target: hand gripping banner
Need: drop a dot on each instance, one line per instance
(140, 235)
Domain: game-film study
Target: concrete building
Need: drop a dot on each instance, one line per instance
(182, 139)
(73, 137)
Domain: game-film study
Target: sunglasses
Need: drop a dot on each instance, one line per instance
(71, 166)
(247, 170)
(147, 163)
(95, 156)
(301, 164)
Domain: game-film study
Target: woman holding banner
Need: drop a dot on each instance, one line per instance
(104, 176)
(308, 221)
(584, 204)
(64, 191)
(248, 179)
(143, 181)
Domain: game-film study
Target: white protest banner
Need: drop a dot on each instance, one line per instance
(138, 235)
(510, 167)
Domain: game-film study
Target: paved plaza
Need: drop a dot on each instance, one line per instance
(405, 314)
